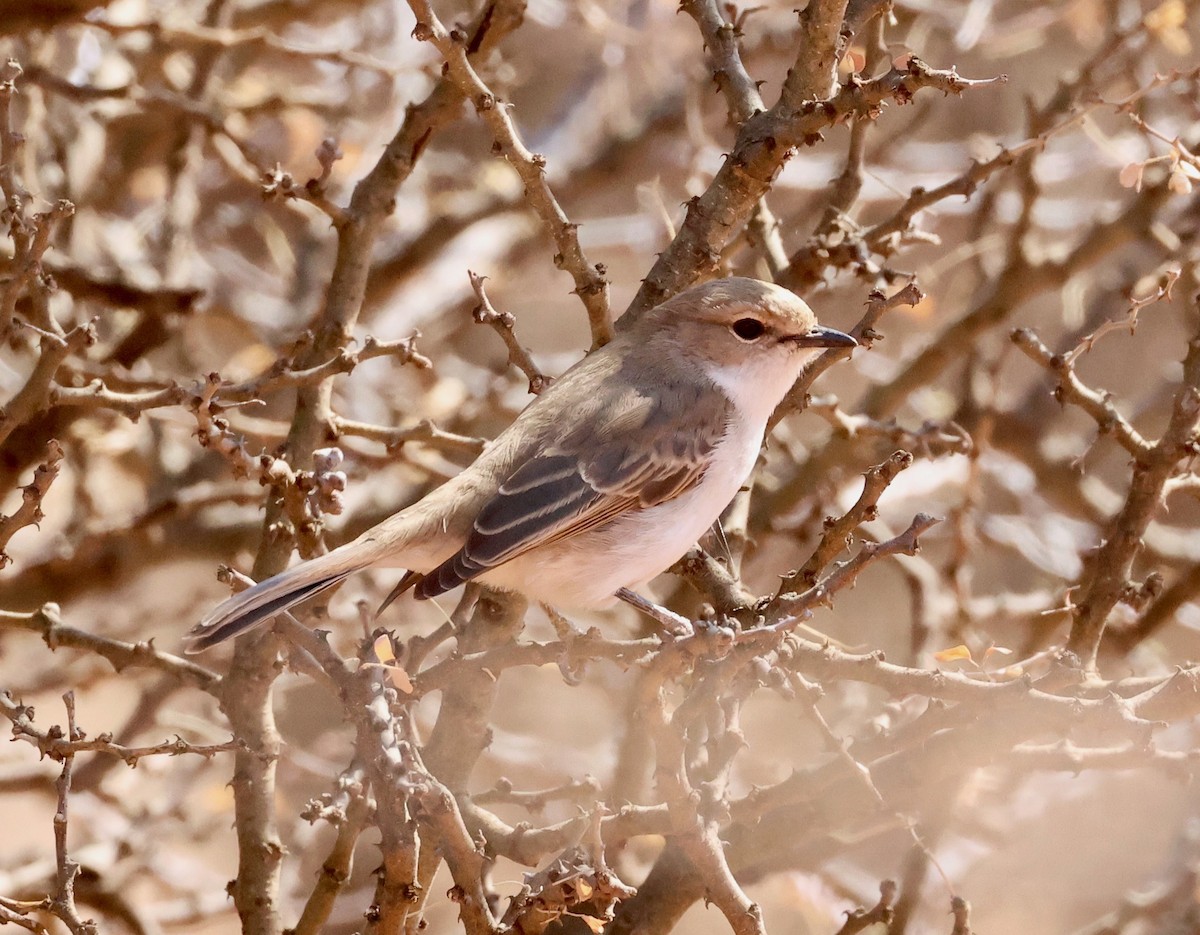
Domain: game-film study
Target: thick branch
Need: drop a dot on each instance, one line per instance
(764, 143)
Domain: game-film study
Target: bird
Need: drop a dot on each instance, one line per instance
(604, 480)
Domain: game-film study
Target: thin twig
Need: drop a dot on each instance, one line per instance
(29, 513)
(503, 324)
(62, 903)
(47, 621)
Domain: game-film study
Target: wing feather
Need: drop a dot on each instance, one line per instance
(649, 452)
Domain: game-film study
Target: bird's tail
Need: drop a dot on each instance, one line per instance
(259, 603)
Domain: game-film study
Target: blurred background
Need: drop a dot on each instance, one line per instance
(169, 126)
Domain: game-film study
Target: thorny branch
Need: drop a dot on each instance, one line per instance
(62, 902)
(48, 623)
(764, 143)
(502, 323)
(108, 341)
(837, 532)
(1107, 580)
(1071, 389)
(54, 744)
(590, 283)
(881, 912)
(29, 513)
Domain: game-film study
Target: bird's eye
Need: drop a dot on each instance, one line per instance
(749, 329)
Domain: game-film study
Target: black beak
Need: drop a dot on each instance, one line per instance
(823, 337)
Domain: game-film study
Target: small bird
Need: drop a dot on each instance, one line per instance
(604, 480)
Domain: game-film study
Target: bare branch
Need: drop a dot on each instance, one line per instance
(29, 513)
(1071, 389)
(47, 621)
(62, 903)
(1109, 574)
(51, 742)
(590, 283)
(764, 143)
(881, 912)
(838, 531)
(502, 323)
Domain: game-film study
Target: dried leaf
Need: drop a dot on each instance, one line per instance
(1179, 183)
(383, 649)
(400, 679)
(853, 62)
(953, 654)
(1131, 176)
(385, 653)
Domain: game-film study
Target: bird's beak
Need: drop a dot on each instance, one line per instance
(823, 337)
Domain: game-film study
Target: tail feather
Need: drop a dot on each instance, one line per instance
(261, 602)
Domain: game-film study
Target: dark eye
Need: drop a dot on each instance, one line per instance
(749, 329)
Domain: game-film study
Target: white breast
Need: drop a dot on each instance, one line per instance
(758, 385)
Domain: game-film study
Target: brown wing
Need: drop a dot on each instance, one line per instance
(647, 451)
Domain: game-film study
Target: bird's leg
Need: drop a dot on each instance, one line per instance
(675, 624)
